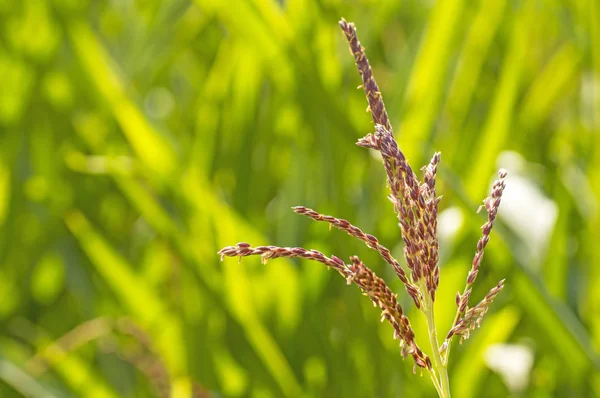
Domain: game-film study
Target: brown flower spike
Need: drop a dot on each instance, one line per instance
(357, 273)
(416, 206)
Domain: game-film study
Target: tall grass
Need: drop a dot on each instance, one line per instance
(138, 138)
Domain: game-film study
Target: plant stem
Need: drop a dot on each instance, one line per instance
(436, 384)
(437, 360)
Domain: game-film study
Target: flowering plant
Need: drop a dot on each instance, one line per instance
(416, 206)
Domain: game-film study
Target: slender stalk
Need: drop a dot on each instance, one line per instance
(444, 390)
(434, 379)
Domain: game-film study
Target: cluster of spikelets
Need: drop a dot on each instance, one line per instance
(416, 205)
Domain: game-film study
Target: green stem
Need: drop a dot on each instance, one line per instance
(436, 384)
(437, 359)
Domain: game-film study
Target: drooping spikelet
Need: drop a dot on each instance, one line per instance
(382, 296)
(371, 285)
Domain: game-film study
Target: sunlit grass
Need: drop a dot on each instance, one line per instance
(99, 175)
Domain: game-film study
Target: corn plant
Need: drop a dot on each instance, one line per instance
(415, 203)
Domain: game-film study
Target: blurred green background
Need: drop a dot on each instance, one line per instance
(139, 137)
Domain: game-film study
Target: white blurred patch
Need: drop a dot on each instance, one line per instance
(512, 362)
(450, 221)
(526, 209)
